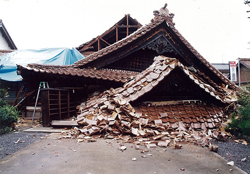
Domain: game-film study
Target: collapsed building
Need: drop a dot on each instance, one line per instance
(150, 82)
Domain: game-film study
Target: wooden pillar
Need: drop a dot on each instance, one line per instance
(116, 33)
(127, 26)
(99, 44)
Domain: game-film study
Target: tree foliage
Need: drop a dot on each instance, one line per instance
(8, 114)
(240, 118)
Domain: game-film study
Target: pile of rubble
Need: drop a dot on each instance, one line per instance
(110, 114)
(112, 117)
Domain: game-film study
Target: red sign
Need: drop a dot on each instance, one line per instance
(232, 63)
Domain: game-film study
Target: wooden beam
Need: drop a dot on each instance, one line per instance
(116, 33)
(99, 45)
(63, 123)
(86, 48)
(130, 26)
(127, 26)
(105, 41)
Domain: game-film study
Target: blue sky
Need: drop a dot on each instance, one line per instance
(217, 29)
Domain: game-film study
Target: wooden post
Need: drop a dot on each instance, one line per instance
(68, 105)
(127, 26)
(99, 45)
(116, 33)
(59, 104)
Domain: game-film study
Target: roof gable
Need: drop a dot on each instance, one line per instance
(121, 29)
(7, 37)
(161, 36)
(157, 72)
(245, 62)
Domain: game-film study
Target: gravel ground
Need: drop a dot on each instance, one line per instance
(232, 151)
(12, 142)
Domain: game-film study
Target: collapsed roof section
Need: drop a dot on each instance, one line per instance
(161, 69)
(115, 103)
(121, 29)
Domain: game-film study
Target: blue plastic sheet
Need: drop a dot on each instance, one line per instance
(49, 56)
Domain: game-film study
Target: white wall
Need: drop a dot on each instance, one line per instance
(3, 43)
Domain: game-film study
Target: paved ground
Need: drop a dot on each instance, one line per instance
(68, 156)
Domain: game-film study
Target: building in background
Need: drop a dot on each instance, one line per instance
(223, 68)
(6, 43)
(7, 46)
(243, 75)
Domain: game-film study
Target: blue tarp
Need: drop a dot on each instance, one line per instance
(49, 56)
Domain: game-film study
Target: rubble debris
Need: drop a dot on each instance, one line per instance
(164, 143)
(213, 148)
(243, 159)
(231, 163)
(134, 159)
(17, 141)
(151, 145)
(150, 124)
(182, 169)
(122, 148)
(245, 142)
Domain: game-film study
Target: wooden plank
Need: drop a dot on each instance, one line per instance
(63, 123)
(45, 108)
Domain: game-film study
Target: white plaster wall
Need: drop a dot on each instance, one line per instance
(3, 43)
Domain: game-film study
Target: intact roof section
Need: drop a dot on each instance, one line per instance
(245, 61)
(103, 74)
(7, 36)
(221, 66)
(142, 31)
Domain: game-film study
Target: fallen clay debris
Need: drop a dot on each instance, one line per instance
(134, 159)
(213, 148)
(231, 163)
(110, 115)
(243, 159)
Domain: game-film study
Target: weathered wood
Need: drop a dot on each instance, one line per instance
(99, 45)
(63, 123)
(127, 26)
(105, 41)
(116, 34)
(55, 105)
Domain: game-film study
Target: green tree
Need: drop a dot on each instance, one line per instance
(240, 118)
(8, 114)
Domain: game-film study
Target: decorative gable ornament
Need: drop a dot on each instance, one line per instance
(161, 45)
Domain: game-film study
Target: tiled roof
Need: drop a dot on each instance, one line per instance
(160, 69)
(245, 62)
(196, 115)
(142, 31)
(171, 114)
(103, 74)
